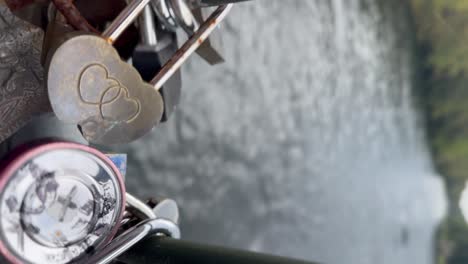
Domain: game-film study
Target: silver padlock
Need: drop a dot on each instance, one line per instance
(161, 220)
(60, 202)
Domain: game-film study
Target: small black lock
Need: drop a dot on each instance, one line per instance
(156, 48)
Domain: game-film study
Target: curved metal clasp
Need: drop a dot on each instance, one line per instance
(132, 236)
(161, 220)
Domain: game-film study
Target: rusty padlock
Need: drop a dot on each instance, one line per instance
(91, 86)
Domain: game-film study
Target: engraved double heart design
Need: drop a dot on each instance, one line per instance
(96, 87)
(103, 95)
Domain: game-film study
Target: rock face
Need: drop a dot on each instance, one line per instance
(305, 143)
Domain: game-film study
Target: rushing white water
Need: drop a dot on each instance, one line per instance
(306, 142)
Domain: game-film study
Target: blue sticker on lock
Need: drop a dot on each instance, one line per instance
(120, 161)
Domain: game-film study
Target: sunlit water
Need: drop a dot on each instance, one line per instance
(306, 142)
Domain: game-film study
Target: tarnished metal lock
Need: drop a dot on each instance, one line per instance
(60, 202)
(56, 32)
(91, 86)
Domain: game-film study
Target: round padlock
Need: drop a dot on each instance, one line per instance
(59, 202)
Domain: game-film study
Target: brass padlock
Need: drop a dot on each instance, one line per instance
(91, 86)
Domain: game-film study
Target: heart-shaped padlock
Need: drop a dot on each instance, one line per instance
(90, 85)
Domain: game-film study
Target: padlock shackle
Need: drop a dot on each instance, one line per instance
(139, 208)
(131, 12)
(124, 19)
(147, 27)
(190, 46)
(129, 238)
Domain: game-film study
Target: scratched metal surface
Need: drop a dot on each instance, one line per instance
(306, 143)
